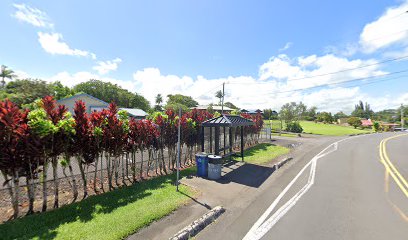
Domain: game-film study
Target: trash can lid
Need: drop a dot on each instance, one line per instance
(214, 156)
(201, 154)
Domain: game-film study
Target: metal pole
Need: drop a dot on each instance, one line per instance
(178, 150)
(222, 103)
(402, 117)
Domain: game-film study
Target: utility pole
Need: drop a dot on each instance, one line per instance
(402, 117)
(178, 150)
(222, 103)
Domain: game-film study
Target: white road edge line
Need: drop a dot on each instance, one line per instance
(260, 228)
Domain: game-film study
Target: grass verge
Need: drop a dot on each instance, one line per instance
(329, 129)
(112, 215)
(320, 128)
(263, 153)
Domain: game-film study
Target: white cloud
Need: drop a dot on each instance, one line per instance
(388, 30)
(53, 43)
(32, 16)
(286, 47)
(107, 66)
(313, 70)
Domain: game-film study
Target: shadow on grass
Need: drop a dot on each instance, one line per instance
(44, 225)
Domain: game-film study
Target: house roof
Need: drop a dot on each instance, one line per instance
(215, 107)
(251, 111)
(83, 95)
(367, 122)
(227, 121)
(135, 112)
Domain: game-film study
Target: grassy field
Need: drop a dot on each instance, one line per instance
(329, 129)
(321, 128)
(263, 153)
(112, 215)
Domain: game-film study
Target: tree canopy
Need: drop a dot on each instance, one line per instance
(292, 111)
(110, 92)
(179, 100)
(362, 110)
(26, 91)
(230, 105)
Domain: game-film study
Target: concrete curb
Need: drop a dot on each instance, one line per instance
(195, 227)
(281, 163)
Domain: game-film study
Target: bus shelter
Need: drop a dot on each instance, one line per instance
(227, 124)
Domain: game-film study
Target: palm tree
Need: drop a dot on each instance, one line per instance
(6, 73)
(159, 100)
(219, 95)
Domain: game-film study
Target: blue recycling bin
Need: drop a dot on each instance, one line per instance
(202, 164)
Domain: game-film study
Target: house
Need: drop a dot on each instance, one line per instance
(216, 108)
(366, 123)
(252, 112)
(94, 104)
(388, 127)
(342, 121)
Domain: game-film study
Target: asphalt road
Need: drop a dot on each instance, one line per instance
(353, 189)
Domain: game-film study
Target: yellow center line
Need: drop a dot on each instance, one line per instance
(390, 168)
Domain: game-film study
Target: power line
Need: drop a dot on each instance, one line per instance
(207, 91)
(335, 83)
(341, 71)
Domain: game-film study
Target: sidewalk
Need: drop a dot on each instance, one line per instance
(239, 184)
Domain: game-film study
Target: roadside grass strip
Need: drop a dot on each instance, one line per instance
(320, 128)
(264, 153)
(389, 166)
(111, 215)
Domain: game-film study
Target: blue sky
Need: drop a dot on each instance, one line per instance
(263, 50)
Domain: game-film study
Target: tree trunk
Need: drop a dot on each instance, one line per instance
(74, 185)
(116, 164)
(95, 174)
(149, 161)
(134, 165)
(122, 157)
(81, 169)
(16, 182)
(30, 194)
(9, 187)
(108, 164)
(141, 163)
(163, 161)
(44, 186)
(102, 170)
(56, 181)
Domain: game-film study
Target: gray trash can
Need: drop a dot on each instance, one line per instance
(214, 167)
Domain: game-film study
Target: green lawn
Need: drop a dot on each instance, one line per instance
(112, 215)
(263, 153)
(321, 128)
(329, 129)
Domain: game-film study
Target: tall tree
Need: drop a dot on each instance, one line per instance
(110, 92)
(230, 105)
(362, 110)
(178, 99)
(292, 111)
(5, 72)
(219, 95)
(159, 101)
(25, 91)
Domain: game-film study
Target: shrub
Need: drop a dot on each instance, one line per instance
(294, 127)
(376, 126)
(354, 121)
